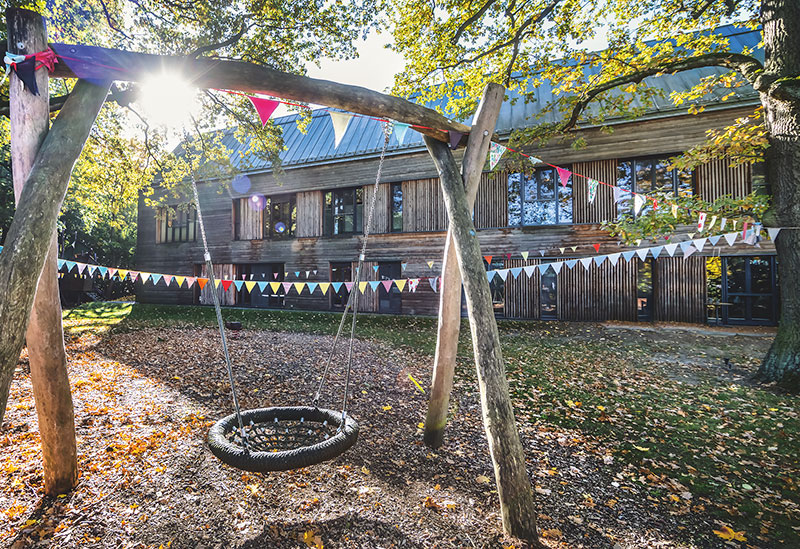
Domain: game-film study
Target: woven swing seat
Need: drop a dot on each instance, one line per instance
(282, 438)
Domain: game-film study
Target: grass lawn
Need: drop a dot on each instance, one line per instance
(689, 436)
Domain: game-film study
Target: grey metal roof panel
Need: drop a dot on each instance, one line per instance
(364, 134)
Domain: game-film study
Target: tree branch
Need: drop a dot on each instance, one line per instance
(470, 20)
(229, 42)
(749, 67)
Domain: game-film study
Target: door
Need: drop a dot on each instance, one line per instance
(340, 272)
(548, 302)
(267, 299)
(645, 273)
(390, 301)
(749, 290)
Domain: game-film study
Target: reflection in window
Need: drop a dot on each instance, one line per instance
(644, 289)
(651, 175)
(498, 288)
(176, 224)
(538, 199)
(396, 207)
(340, 272)
(343, 211)
(280, 216)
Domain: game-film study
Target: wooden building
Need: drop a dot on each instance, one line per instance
(305, 225)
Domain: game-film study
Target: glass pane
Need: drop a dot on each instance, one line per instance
(359, 210)
(735, 272)
(565, 203)
(760, 276)
(497, 288)
(644, 176)
(547, 184)
(762, 307)
(397, 207)
(327, 215)
(685, 183)
(644, 289)
(664, 177)
(540, 213)
(625, 181)
(514, 200)
(549, 293)
(736, 309)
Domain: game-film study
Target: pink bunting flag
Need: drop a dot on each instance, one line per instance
(190, 281)
(167, 279)
(564, 175)
(387, 284)
(264, 107)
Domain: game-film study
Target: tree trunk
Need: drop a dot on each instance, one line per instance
(513, 485)
(23, 258)
(781, 22)
(30, 119)
(450, 297)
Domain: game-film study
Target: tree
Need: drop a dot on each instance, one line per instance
(623, 42)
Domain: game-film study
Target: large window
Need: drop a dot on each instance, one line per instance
(749, 290)
(259, 217)
(343, 211)
(538, 199)
(652, 175)
(396, 207)
(340, 272)
(176, 224)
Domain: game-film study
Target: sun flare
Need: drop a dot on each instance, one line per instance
(168, 100)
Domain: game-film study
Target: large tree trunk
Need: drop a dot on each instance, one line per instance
(444, 363)
(781, 21)
(26, 249)
(30, 119)
(513, 485)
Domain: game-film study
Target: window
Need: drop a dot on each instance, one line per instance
(749, 290)
(644, 289)
(176, 224)
(548, 302)
(343, 211)
(389, 301)
(497, 287)
(259, 217)
(396, 207)
(538, 199)
(269, 297)
(651, 175)
(340, 272)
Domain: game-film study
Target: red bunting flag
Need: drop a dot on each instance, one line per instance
(488, 259)
(596, 247)
(564, 174)
(226, 284)
(264, 107)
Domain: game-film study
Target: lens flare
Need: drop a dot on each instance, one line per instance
(168, 100)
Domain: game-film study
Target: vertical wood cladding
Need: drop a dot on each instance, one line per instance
(423, 206)
(381, 220)
(606, 292)
(221, 271)
(491, 202)
(249, 217)
(522, 293)
(309, 214)
(716, 179)
(603, 207)
(680, 289)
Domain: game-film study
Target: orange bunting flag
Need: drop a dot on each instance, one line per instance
(202, 282)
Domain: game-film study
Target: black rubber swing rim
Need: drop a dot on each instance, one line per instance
(297, 458)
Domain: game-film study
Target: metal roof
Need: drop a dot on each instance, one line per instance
(364, 136)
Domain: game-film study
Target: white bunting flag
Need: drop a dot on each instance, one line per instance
(592, 190)
(598, 259)
(699, 243)
(711, 223)
(340, 122)
(557, 266)
(773, 232)
(586, 261)
(674, 210)
(656, 251)
(642, 253)
(701, 221)
(722, 223)
(670, 248)
(618, 194)
(614, 258)
(689, 251)
(730, 238)
(529, 270)
(638, 202)
(561, 250)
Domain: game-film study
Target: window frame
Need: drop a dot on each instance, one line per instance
(167, 223)
(626, 205)
(392, 210)
(523, 200)
(329, 217)
(266, 217)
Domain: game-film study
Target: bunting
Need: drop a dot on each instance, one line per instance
(592, 190)
(496, 151)
(340, 121)
(264, 108)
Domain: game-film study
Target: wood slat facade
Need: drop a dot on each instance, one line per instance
(606, 292)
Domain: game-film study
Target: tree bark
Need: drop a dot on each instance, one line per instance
(24, 255)
(513, 485)
(450, 296)
(781, 23)
(30, 119)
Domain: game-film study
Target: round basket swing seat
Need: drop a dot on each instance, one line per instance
(282, 438)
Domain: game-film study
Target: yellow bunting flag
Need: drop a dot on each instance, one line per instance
(400, 283)
(217, 282)
(179, 280)
(362, 286)
(274, 286)
(122, 274)
(323, 286)
(299, 287)
(249, 286)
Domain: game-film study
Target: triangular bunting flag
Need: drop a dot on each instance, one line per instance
(412, 284)
(557, 266)
(674, 210)
(730, 238)
(490, 275)
(627, 256)
(773, 232)
(570, 263)
(502, 273)
(689, 251)
(496, 151)
(226, 284)
(614, 258)
(400, 283)
(454, 138)
(586, 261)
(70, 265)
(340, 122)
(598, 259)
(561, 250)
(323, 287)
(299, 287)
(249, 285)
(596, 247)
(541, 253)
(238, 284)
(671, 248)
(167, 280)
(701, 221)
(190, 280)
(349, 286)
(638, 202)
(714, 239)
(375, 268)
(145, 276)
(59, 262)
(573, 248)
(722, 224)
(524, 255)
(122, 273)
(656, 251)
(262, 286)
(81, 267)
(202, 282)
(564, 175)
(155, 277)
(274, 286)
(642, 253)
(430, 264)
(92, 269)
(543, 267)
(387, 285)
(264, 108)
(434, 283)
(133, 275)
(373, 284)
(403, 266)
(592, 190)
(685, 246)
(103, 270)
(699, 243)
(336, 286)
(711, 223)
(529, 270)
(311, 287)
(515, 271)
(619, 194)
(400, 130)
